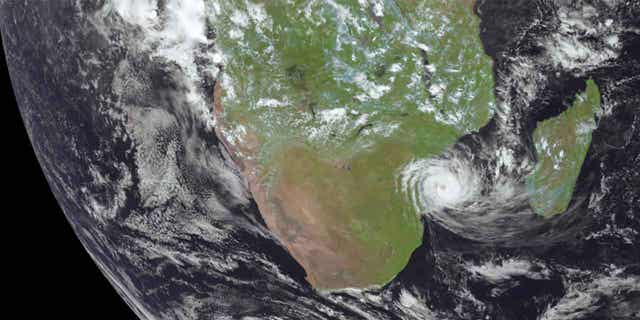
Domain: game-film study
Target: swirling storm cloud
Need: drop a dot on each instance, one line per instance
(365, 159)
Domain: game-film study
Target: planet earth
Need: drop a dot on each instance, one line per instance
(342, 159)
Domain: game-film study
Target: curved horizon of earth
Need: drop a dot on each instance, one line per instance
(431, 160)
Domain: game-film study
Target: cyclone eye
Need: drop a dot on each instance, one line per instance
(448, 188)
(434, 184)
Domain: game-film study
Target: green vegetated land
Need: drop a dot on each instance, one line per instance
(340, 95)
(561, 145)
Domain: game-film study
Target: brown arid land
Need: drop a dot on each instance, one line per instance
(293, 213)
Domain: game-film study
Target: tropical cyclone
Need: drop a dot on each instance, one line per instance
(117, 106)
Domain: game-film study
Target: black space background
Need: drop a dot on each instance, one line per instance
(54, 277)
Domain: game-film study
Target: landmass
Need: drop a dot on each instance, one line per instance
(325, 102)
